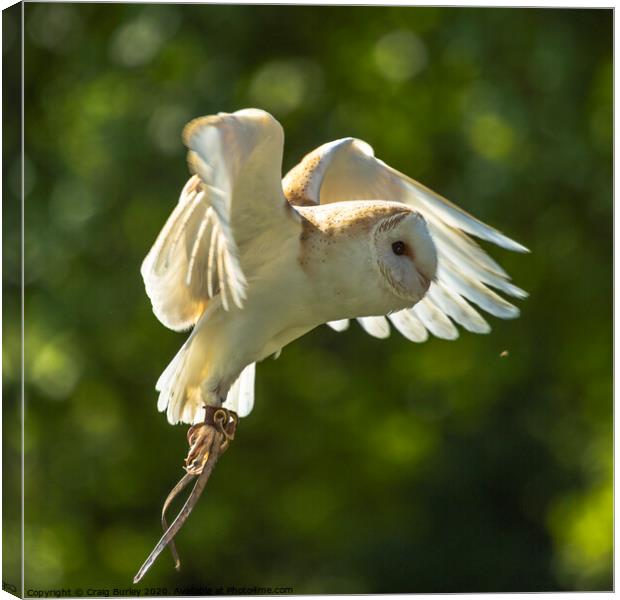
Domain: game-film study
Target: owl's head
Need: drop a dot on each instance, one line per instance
(405, 254)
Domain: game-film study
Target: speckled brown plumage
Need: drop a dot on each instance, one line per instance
(323, 226)
(297, 183)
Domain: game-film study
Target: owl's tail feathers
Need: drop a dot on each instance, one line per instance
(240, 397)
(176, 396)
(181, 396)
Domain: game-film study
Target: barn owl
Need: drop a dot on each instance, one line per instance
(252, 261)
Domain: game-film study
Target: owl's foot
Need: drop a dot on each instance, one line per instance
(207, 441)
(202, 435)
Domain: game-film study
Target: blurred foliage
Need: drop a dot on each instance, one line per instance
(367, 466)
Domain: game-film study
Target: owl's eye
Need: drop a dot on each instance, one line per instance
(399, 248)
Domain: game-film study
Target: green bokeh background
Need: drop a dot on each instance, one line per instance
(366, 466)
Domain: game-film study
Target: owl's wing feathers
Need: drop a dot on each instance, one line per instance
(235, 194)
(348, 170)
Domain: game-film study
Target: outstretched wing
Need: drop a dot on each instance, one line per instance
(348, 170)
(234, 196)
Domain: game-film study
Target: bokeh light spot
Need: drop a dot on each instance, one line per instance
(137, 42)
(52, 26)
(44, 559)
(284, 85)
(55, 370)
(400, 55)
(582, 527)
(72, 204)
(490, 136)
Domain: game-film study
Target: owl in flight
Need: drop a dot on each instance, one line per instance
(252, 261)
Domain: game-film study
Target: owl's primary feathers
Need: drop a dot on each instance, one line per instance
(253, 261)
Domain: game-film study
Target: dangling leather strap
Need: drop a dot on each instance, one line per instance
(207, 440)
